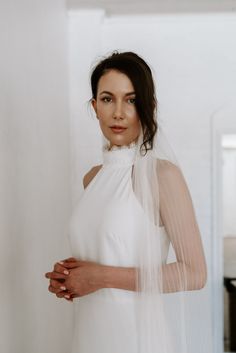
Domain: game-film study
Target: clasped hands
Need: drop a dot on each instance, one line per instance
(72, 278)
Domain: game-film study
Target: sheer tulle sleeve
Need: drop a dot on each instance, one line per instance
(178, 216)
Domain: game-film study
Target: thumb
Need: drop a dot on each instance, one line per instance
(73, 264)
(69, 259)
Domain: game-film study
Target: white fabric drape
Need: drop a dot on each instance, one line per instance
(163, 193)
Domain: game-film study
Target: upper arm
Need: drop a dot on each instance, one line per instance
(178, 215)
(90, 175)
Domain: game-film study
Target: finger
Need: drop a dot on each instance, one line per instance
(61, 280)
(57, 290)
(56, 275)
(61, 295)
(68, 296)
(70, 265)
(52, 289)
(69, 259)
(70, 299)
(57, 285)
(59, 268)
(74, 296)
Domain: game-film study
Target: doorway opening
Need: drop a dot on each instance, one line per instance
(228, 153)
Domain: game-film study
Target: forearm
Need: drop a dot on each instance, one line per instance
(119, 277)
(178, 277)
(175, 277)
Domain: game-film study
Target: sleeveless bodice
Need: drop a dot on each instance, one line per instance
(104, 228)
(109, 217)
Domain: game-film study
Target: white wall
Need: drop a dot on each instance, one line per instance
(193, 61)
(34, 174)
(194, 66)
(85, 41)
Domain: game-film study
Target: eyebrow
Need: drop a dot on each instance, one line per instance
(127, 94)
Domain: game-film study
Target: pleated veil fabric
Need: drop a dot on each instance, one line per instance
(172, 309)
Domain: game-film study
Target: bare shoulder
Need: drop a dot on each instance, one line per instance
(172, 179)
(91, 174)
(168, 171)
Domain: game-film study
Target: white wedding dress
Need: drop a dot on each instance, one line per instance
(103, 228)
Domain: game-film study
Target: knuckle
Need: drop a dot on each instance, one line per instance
(52, 282)
(68, 285)
(59, 268)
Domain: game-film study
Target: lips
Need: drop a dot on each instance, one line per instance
(117, 128)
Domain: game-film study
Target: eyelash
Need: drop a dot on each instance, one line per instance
(103, 99)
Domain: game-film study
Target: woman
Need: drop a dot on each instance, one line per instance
(134, 207)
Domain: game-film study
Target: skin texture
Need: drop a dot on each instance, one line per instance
(71, 278)
(117, 108)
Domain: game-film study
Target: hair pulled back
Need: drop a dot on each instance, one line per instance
(139, 73)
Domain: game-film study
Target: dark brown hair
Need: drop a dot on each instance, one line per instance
(140, 75)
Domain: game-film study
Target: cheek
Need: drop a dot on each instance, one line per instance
(137, 125)
(101, 123)
(136, 129)
(103, 114)
(104, 126)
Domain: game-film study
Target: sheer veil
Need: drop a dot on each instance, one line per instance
(173, 302)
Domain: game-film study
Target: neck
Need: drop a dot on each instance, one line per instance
(110, 147)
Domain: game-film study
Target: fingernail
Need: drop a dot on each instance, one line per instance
(67, 296)
(61, 262)
(63, 288)
(66, 272)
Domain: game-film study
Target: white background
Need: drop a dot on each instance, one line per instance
(42, 133)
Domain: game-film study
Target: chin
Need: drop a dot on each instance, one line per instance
(116, 140)
(119, 142)
(119, 139)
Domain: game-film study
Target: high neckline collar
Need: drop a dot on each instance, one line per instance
(120, 155)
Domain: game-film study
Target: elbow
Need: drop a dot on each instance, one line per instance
(199, 279)
(202, 282)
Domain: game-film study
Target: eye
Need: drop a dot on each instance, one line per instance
(106, 99)
(132, 99)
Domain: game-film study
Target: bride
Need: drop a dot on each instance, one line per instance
(134, 208)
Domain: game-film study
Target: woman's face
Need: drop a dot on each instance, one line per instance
(115, 108)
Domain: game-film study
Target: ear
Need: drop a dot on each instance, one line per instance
(94, 104)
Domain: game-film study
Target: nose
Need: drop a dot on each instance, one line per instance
(118, 111)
